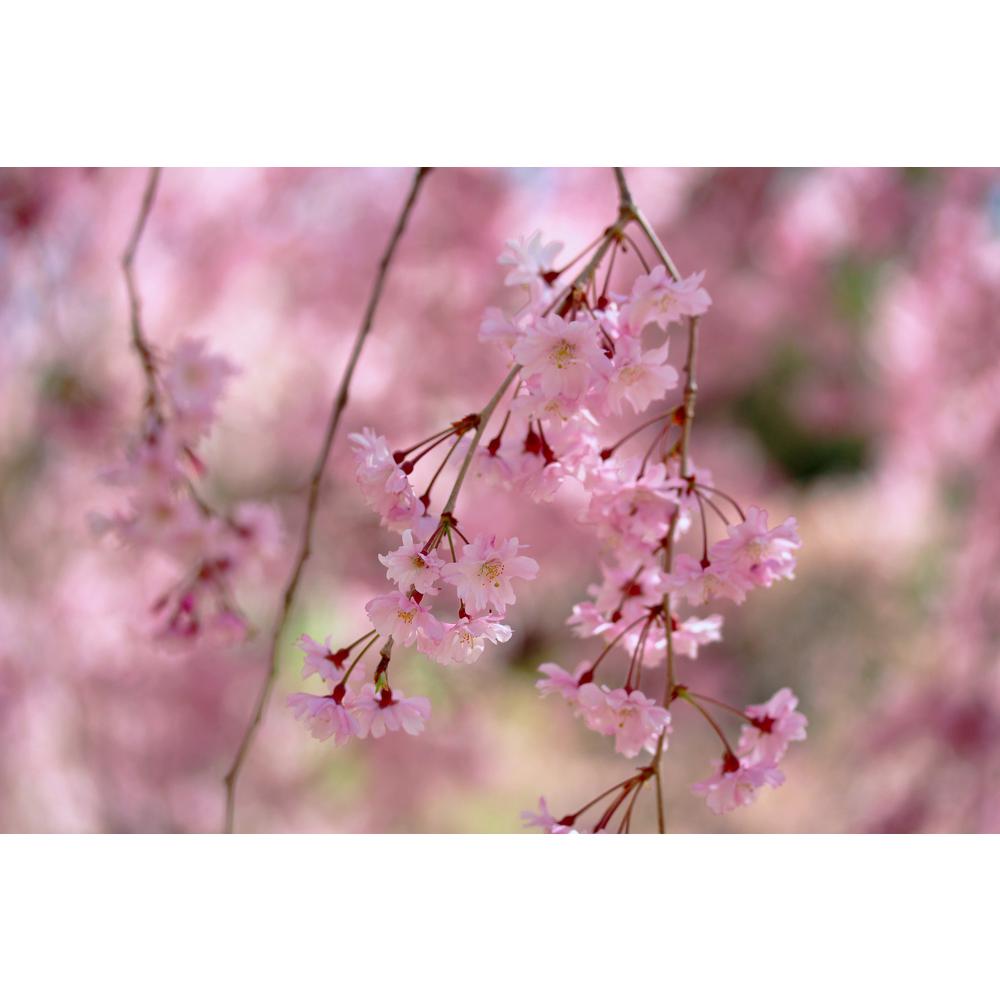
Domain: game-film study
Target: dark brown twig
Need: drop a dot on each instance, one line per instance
(139, 341)
(291, 588)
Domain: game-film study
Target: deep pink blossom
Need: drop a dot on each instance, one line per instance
(321, 659)
(776, 724)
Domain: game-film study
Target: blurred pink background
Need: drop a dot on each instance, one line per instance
(850, 375)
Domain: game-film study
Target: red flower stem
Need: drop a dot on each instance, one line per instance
(708, 718)
(704, 529)
(451, 451)
(611, 645)
(583, 253)
(362, 639)
(608, 452)
(711, 503)
(725, 496)
(368, 645)
(722, 704)
(638, 253)
(403, 452)
(593, 802)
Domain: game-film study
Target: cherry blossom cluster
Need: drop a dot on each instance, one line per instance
(580, 354)
(446, 604)
(580, 364)
(164, 512)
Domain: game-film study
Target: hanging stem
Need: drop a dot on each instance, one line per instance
(633, 213)
(312, 503)
(139, 341)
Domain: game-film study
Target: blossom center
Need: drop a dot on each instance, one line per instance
(491, 571)
(563, 354)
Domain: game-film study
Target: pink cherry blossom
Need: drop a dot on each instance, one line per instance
(561, 358)
(404, 618)
(640, 377)
(544, 819)
(324, 718)
(409, 566)
(735, 783)
(151, 464)
(632, 508)
(377, 714)
(483, 574)
(321, 659)
(383, 484)
(465, 640)
(693, 633)
(558, 681)
(634, 719)
(529, 260)
(699, 584)
(195, 380)
(658, 298)
(776, 725)
(764, 556)
(499, 328)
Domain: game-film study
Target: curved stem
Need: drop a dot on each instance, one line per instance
(139, 341)
(708, 718)
(629, 209)
(484, 419)
(305, 547)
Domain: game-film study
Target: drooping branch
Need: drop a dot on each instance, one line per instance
(139, 341)
(312, 503)
(634, 213)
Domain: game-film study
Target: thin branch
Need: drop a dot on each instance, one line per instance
(484, 419)
(139, 341)
(634, 213)
(291, 588)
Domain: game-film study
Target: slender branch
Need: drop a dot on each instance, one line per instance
(484, 418)
(634, 213)
(139, 341)
(305, 548)
(629, 207)
(625, 199)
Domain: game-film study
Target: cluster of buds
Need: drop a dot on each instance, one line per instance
(165, 513)
(580, 353)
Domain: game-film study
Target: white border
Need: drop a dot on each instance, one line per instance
(449, 82)
(684, 916)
